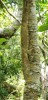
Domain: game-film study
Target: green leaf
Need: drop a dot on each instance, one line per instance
(43, 27)
(2, 40)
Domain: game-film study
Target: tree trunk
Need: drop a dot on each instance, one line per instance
(30, 51)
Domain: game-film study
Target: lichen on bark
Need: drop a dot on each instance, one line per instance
(30, 51)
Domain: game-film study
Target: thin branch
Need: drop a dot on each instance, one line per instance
(45, 45)
(13, 92)
(43, 51)
(8, 86)
(8, 11)
(41, 16)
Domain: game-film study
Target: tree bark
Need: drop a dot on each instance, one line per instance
(30, 51)
(9, 31)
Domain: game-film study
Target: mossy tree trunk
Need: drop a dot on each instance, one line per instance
(30, 51)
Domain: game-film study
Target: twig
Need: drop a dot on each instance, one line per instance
(14, 91)
(41, 16)
(8, 11)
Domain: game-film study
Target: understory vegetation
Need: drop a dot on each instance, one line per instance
(11, 75)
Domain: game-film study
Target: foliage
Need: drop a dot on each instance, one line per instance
(44, 26)
(10, 49)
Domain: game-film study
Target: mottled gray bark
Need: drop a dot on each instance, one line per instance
(30, 51)
(8, 32)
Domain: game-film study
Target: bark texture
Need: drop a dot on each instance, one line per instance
(9, 31)
(30, 51)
